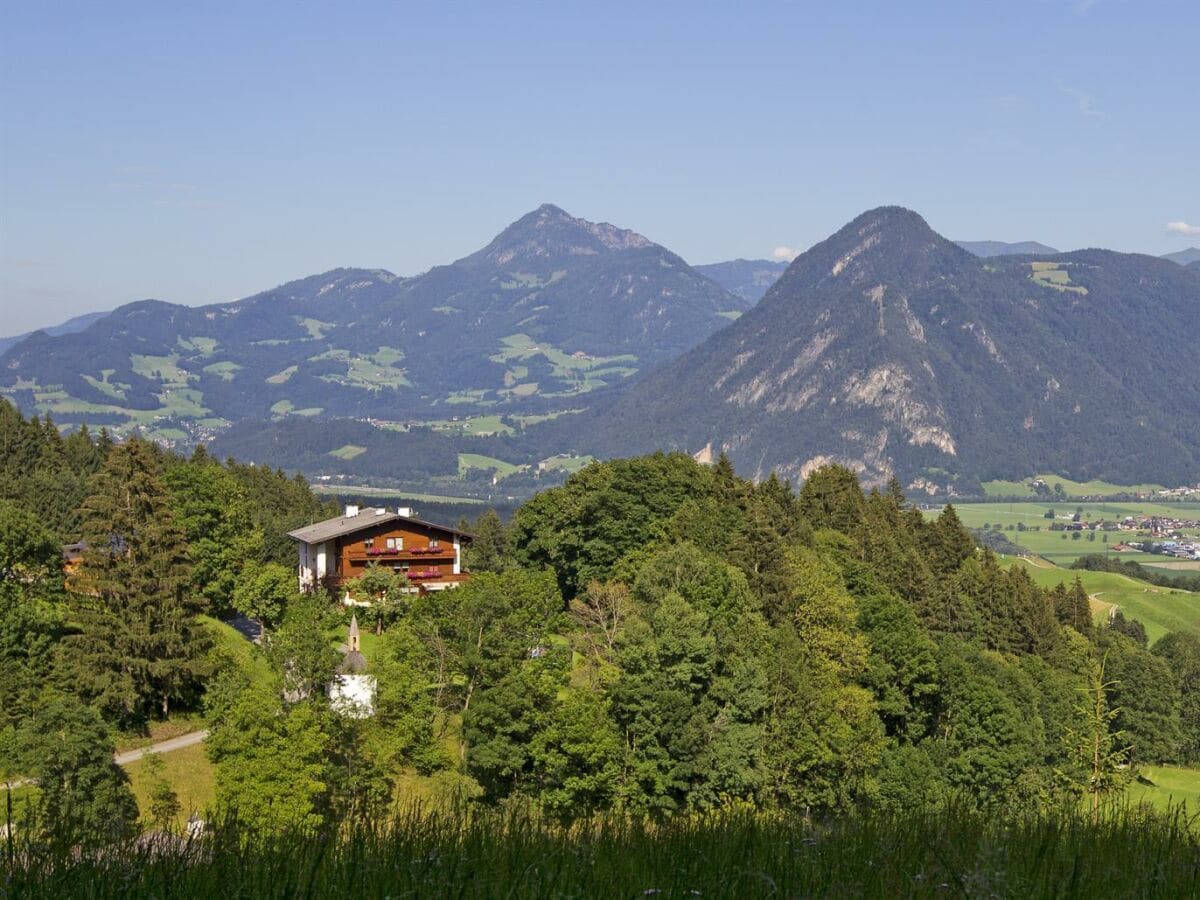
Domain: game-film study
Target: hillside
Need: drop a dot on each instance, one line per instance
(552, 309)
(1002, 248)
(895, 351)
(749, 279)
(1160, 610)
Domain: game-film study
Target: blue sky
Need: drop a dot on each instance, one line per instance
(200, 152)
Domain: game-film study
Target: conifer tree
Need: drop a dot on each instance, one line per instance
(490, 551)
(1072, 608)
(138, 649)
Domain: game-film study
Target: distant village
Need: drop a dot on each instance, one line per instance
(1168, 535)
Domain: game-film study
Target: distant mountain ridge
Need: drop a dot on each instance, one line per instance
(895, 351)
(1002, 248)
(749, 279)
(551, 311)
(1184, 257)
(71, 326)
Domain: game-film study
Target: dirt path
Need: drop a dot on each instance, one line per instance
(175, 743)
(1038, 563)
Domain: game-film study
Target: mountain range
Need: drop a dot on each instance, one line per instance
(886, 347)
(553, 309)
(747, 278)
(1001, 248)
(78, 323)
(893, 350)
(1186, 257)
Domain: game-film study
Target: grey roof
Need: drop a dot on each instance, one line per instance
(353, 663)
(367, 518)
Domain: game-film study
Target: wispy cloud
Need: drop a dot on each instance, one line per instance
(1182, 227)
(1085, 102)
(785, 254)
(1083, 7)
(176, 194)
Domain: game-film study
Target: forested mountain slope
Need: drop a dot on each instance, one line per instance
(749, 279)
(891, 349)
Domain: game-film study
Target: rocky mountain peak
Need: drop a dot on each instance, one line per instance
(889, 245)
(549, 231)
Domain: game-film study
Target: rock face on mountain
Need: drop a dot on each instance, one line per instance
(891, 349)
(553, 309)
(749, 279)
(1002, 248)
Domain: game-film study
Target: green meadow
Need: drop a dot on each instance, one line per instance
(1070, 488)
(1062, 547)
(1160, 610)
(502, 469)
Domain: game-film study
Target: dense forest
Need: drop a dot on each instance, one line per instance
(652, 637)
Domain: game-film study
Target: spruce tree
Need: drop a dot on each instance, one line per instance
(138, 649)
(490, 551)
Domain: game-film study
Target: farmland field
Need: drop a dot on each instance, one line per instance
(1061, 547)
(1070, 488)
(490, 463)
(1159, 609)
(362, 490)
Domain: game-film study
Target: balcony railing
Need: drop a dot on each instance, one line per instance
(409, 553)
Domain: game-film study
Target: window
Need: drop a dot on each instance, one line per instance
(433, 543)
(369, 543)
(395, 543)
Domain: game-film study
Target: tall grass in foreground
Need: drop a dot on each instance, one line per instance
(1130, 853)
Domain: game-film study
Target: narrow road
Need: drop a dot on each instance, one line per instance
(175, 743)
(131, 756)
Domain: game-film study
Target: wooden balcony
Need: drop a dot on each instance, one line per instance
(383, 554)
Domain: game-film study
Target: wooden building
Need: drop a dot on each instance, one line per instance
(339, 550)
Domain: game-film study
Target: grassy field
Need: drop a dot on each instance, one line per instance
(511, 853)
(1172, 786)
(501, 468)
(1059, 546)
(1070, 488)
(228, 642)
(287, 408)
(348, 451)
(223, 370)
(374, 372)
(188, 772)
(1048, 274)
(581, 372)
(565, 463)
(1160, 610)
(362, 490)
(283, 375)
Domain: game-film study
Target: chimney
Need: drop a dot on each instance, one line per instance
(380, 511)
(351, 510)
(406, 511)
